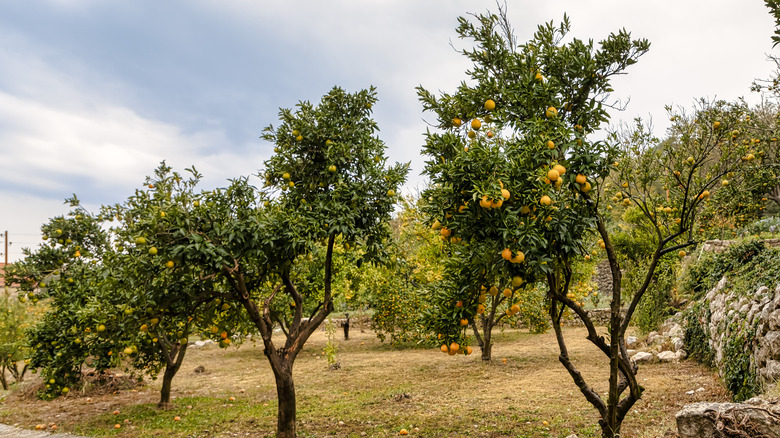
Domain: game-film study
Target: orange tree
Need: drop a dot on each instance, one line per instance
(509, 162)
(668, 182)
(15, 317)
(156, 302)
(516, 172)
(744, 193)
(65, 271)
(327, 179)
(397, 292)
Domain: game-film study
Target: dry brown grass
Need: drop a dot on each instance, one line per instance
(380, 390)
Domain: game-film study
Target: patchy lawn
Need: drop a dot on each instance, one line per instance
(378, 391)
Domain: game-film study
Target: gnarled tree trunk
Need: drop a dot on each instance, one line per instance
(174, 355)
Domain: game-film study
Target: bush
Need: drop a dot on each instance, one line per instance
(15, 318)
(655, 306)
(710, 268)
(697, 340)
(738, 371)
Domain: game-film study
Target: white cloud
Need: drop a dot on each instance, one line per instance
(75, 120)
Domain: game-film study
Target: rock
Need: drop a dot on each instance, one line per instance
(772, 342)
(691, 392)
(692, 422)
(652, 338)
(668, 356)
(200, 369)
(642, 357)
(680, 355)
(771, 372)
(572, 436)
(758, 418)
(774, 320)
(678, 344)
(631, 341)
(675, 331)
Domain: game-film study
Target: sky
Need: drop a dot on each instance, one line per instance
(95, 94)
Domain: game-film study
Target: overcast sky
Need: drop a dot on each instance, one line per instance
(94, 94)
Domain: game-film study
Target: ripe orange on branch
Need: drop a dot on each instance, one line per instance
(506, 254)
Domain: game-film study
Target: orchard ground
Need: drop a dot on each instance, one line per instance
(378, 391)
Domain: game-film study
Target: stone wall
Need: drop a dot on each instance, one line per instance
(755, 317)
(721, 245)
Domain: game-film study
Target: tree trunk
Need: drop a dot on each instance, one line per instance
(285, 392)
(487, 343)
(487, 351)
(165, 392)
(171, 368)
(3, 381)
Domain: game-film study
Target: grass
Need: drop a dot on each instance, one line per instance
(378, 391)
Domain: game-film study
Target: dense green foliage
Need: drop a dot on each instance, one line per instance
(15, 318)
(749, 264)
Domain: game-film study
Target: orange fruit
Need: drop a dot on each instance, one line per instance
(444, 348)
(454, 347)
(445, 232)
(476, 124)
(561, 170)
(493, 291)
(469, 350)
(507, 293)
(517, 281)
(490, 105)
(515, 308)
(463, 322)
(497, 203)
(551, 112)
(485, 202)
(519, 257)
(586, 188)
(550, 144)
(581, 179)
(459, 304)
(506, 254)
(480, 309)
(545, 200)
(456, 121)
(681, 253)
(403, 432)
(553, 175)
